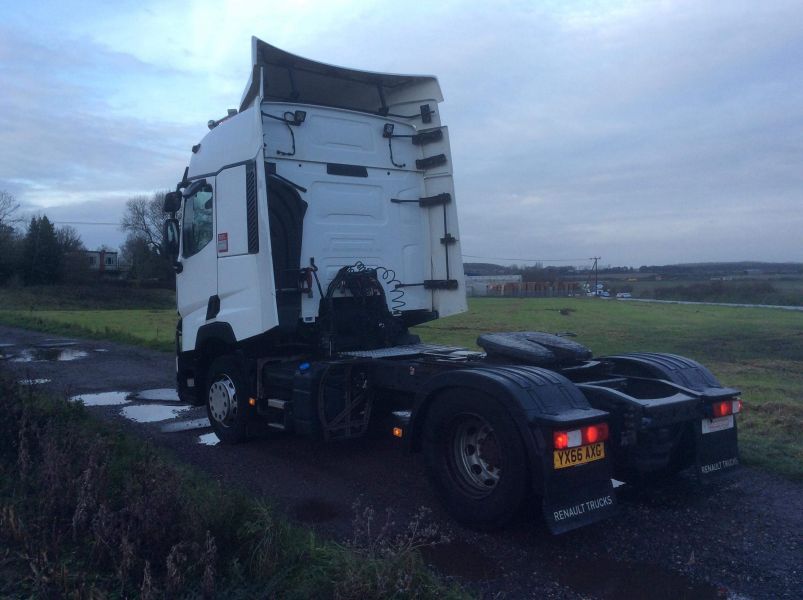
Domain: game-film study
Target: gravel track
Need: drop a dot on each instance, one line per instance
(738, 538)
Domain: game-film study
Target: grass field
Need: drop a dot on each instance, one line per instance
(759, 351)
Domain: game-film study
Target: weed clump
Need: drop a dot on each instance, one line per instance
(89, 512)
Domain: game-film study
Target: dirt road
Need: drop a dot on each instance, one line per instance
(738, 538)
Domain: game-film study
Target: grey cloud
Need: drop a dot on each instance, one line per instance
(670, 132)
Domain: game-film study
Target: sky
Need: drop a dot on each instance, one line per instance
(642, 132)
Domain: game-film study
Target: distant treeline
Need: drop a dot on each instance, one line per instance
(692, 270)
(739, 292)
(726, 268)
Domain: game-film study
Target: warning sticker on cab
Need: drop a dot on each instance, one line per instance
(578, 456)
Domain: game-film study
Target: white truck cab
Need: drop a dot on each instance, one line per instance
(314, 226)
(321, 168)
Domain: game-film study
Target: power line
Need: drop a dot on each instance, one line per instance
(84, 223)
(529, 259)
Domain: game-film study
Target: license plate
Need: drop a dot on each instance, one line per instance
(578, 456)
(718, 424)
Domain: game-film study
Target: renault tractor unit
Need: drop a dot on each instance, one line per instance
(315, 225)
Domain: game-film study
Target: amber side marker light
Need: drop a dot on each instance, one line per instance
(252, 401)
(398, 432)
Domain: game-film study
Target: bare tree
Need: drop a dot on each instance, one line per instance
(69, 239)
(8, 209)
(143, 220)
(144, 247)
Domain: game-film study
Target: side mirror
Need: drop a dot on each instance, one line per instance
(171, 238)
(172, 202)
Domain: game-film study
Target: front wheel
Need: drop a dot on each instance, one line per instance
(227, 400)
(476, 459)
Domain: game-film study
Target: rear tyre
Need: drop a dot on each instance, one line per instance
(227, 400)
(476, 459)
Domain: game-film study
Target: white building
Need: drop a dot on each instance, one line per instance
(102, 261)
(478, 285)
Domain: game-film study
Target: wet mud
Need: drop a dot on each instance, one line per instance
(459, 558)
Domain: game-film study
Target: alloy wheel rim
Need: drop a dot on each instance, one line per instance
(476, 454)
(223, 400)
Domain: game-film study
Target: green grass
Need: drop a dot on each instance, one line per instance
(150, 328)
(759, 351)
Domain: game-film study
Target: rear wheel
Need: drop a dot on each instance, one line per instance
(476, 458)
(227, 399)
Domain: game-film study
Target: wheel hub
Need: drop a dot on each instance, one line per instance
(223, 400)
(476, 454)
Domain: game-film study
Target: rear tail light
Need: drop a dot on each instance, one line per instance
(595, 433)
(726, 407)
(590, 434)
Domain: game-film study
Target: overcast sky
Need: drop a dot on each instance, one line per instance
(645, 133)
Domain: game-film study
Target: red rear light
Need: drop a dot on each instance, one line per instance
(737, 406)
(722, 409)
(560, 439)
(595, 433)
(590, 434)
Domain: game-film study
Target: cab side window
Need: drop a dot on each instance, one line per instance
(197, 222)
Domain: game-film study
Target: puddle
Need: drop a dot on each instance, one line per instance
(460, 559)
(157, 395)
(49, 354)
(605, 578)
(186, 425)
(102, 398)
(55, 343)
(150, 413)
(316, 510)
(33, 381)
(208, 439)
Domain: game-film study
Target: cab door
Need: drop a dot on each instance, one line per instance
(196, 283)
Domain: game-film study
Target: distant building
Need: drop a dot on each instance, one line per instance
(102, 261)
(513, 286)
(485, 285)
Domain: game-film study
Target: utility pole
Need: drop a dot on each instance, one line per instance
(596, 278)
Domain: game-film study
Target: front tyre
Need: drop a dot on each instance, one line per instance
(476, 459)
(227, 400)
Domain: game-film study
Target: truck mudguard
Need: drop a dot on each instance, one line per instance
(716, 444)
(218, 331)
(671, 367)
(539, 402)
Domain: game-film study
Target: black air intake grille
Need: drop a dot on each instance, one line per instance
(251, 208)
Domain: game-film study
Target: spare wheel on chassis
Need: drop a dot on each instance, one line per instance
(227, 399)
(476, 458)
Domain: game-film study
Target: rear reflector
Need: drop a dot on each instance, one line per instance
(591, 434)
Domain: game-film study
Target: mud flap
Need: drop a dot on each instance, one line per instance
(717, 448)
(577, 496)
